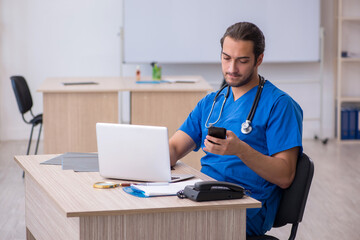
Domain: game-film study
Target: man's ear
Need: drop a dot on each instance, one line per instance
(259, 60)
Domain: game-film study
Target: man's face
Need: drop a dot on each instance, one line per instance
(238, 61)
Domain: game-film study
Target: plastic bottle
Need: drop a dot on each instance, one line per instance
(138, 73)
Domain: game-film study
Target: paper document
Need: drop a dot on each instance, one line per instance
(79, 162)
(164, 189)
(58, 160)
(180, 80)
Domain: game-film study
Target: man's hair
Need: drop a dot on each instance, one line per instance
(248, 32)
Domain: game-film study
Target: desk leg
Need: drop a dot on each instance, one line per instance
(206, 225)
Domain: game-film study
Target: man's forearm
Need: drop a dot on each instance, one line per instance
(180, 144)
(278, 169)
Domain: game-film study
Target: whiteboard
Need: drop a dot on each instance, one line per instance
(189, 31)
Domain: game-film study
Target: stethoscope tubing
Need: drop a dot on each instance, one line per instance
(222, 105)
(246, 126)
(256, 100)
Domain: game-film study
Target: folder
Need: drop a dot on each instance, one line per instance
(353, 113)
(358, 123)
(158, 189)
(344, 123)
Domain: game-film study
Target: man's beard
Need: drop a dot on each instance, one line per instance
(241, 83)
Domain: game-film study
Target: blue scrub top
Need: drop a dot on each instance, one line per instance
(277, 126)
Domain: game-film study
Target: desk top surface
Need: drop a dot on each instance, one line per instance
(73, 192)
(115, 84)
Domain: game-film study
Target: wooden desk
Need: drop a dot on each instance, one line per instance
(62, 204)
(71, 112)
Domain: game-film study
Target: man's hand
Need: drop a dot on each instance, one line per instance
(229, 146)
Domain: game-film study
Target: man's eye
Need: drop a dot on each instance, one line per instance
(244, 61)
(226, 58)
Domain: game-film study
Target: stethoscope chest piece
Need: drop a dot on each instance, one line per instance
(246, 127)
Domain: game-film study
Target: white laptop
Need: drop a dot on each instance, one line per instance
(134, 152)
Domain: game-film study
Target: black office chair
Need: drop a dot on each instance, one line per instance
(25, 103)
(293, 201)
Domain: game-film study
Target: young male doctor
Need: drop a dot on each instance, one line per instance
(263, 160)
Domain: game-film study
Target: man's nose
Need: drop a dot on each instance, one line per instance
(232, 67)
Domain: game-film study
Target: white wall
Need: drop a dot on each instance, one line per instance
(40, 39)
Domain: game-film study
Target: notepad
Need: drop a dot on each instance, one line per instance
(163, 190)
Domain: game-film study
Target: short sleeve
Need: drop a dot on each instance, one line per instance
(192, 125)
(284, 130)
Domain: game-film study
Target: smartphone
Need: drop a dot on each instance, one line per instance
(217, 132)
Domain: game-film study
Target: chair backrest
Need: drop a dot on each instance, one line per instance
(293, 201)
(22, 93)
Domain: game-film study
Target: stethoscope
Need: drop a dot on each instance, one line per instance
(246, 127)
